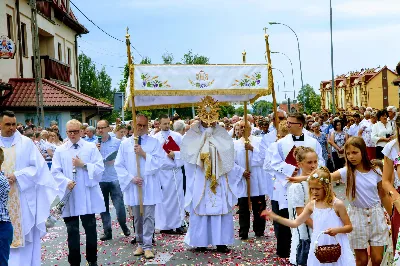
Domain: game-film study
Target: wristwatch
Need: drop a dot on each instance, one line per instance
(85, 166)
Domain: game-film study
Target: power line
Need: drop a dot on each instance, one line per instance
(104, 30)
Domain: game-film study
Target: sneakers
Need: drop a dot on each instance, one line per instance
(106, 236)
(148, 254)
(138, 252)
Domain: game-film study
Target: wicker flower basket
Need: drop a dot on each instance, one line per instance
(327, 253)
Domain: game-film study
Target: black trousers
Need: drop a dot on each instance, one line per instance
(89, 224)
(275, 209)
(339, 162)
(284, 236)
(258, 204)
(379, 154)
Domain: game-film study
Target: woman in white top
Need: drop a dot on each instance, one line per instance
(382, 132)
(307, 161)
(366, 195)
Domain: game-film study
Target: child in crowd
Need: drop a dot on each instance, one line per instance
(329, 215)
(366, 195)
(307, 161)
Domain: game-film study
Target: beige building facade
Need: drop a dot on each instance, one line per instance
(368, 88)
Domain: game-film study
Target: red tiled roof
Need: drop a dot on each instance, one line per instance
(54, 95)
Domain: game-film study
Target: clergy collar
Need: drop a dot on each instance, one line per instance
(298, 138)
(80, 143)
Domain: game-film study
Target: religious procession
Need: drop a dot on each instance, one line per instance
(193, 163)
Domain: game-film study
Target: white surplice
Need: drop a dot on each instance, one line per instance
(125, 166)
(285, 145)
(170, 212)
(211, 218)
(86, 197)
(38, 189)
(260, 181)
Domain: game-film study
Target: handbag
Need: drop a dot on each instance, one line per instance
(303, 247)
(327, 253)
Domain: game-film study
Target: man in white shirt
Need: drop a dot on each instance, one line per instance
(366, 131)
(392, 111)
(354, 128)
(169, 214)
(80, 165)
(151, 158)
(156, 129)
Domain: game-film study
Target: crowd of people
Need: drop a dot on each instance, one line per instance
(182, 176)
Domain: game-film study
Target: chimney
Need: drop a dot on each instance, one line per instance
(67, 6)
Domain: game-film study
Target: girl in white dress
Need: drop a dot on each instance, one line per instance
(307, 161)
(329, 215)
(366, 195)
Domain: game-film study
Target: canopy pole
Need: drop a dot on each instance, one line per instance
(135, 133)
(246, 141)
(271, 79)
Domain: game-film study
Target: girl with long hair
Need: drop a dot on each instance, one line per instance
(366, 195)
(329, 217)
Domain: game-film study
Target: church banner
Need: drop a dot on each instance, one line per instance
(179, 85)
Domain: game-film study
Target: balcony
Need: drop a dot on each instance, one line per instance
(44, 8)
(53, 69)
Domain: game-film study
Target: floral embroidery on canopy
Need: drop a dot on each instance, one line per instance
(149, 81)
(248, 81)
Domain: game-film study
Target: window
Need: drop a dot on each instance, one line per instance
(59, 52)
(69, 56)
(10, 27)
(24, 38)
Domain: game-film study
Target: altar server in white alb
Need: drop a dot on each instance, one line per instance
(285, 165)
(32, 190)
(170, 212)
(151, 157)
(260, 183)
(86, 198)
(214, 181)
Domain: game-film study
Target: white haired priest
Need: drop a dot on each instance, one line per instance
(214, 182)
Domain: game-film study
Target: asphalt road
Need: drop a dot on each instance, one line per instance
(169, 249)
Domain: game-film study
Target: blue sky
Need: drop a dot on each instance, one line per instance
(366, 33)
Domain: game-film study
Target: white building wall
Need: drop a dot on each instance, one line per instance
(49, 46)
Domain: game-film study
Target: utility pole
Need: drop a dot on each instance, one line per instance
(37, 67)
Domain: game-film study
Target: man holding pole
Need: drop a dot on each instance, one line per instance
(214, 182)
(260, 183)
(140, 183)
(170, 213)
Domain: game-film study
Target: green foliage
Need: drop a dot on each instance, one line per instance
(226, 111)
(239, 111)
(125, 76)
(94, 83)
(309, 100)
(398, 68)
(262, 107)
(194, 59)
(167, 58)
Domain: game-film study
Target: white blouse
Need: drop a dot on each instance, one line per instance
(379, 130)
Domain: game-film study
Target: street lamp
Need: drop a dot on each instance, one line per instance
(284, 83)
(298, 47)
(333, 77)
(294, 90)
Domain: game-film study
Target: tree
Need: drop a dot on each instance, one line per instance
(125, 75)
(239, 111)
(309, 99)
(94, 83)
(194, 59)
(226, 111)
(262, 107)
(145, 61)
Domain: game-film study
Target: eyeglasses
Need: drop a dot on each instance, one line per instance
(291, 123)
(141, 126)
(74, 132)
(99, 128)
(281, 117)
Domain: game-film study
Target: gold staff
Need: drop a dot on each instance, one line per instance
(246, 141)
(131, 79)
(271, 88)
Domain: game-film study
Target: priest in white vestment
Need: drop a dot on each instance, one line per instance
(214, 182)
(151, 159)
(260, 183)
(86, 198)
(32, 191)
(170, 212)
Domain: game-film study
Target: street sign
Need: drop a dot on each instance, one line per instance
(118, 101)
